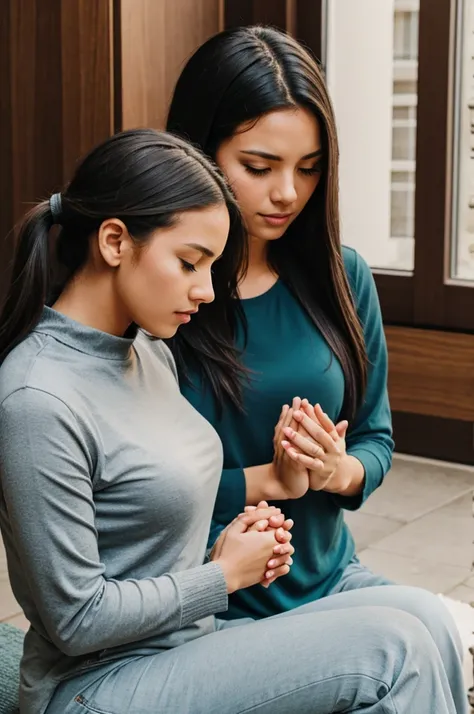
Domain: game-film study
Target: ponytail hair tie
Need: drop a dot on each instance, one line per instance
(55, 205)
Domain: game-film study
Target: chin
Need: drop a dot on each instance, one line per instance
(165, 332)
(161, 332)
(270, 235)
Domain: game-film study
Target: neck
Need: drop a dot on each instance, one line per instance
(258, 254)
(259, 276)
(89, 299)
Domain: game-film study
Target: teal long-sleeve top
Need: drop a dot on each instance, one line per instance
(289, 357)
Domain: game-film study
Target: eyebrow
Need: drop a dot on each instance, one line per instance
(201, 248)
(274, 157)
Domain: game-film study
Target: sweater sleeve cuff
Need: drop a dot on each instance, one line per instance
(373, 475)
(203, 592)
(231, 496)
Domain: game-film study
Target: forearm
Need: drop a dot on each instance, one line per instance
(262, 484)
(126, 611)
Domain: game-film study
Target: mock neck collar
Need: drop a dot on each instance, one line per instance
(83, 338)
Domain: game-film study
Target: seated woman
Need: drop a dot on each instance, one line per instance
(308, 325)
(109, 476)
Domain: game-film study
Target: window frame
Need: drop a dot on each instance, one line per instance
(428, 297)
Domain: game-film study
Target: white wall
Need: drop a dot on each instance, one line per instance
(360, 77)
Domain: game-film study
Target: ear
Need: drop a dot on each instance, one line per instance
(113, 241)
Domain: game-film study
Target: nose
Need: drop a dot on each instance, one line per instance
(202, 290)
(284, 190)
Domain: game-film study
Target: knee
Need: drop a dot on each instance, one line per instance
(427, 608)
(418, 602)
(397, 632)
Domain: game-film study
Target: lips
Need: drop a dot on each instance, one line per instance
(276, 215)
(276, 219)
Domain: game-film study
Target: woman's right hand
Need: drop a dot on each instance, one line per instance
(293, 477)
(281, 560)
(243, 553)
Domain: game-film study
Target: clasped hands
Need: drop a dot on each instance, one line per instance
(308, 450)
(255, 547)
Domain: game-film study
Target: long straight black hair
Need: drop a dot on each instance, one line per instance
(146, 179)
(236, 77)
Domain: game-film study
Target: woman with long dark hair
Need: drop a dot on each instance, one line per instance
(109, 476)
(308, 426)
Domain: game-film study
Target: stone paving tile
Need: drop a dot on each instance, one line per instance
(444, 536)
(405, 570)
(367, 529)
(415, 488)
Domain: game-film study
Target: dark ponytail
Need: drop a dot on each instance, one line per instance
(30, 280)
(146, 179)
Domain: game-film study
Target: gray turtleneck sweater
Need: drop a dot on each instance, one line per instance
(108, 481)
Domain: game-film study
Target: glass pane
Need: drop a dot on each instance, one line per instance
(404, 97)
(375, 97)
(462, 247)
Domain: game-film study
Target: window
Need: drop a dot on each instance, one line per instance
(462, 243)
(403, 166)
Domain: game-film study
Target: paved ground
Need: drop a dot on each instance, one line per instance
(417, 529)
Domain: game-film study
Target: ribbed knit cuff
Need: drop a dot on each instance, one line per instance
(202, 592)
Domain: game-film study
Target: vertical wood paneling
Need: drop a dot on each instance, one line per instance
(262, 12)
(23, 84)
(300, 18)
(184, 37)
(56, 99)
(86, 56)
(156, 38)
(6, 129)
(142, 39)
(47, 117)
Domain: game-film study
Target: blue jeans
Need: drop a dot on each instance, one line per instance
(369, 646)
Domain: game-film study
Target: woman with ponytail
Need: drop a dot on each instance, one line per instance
(109, 476)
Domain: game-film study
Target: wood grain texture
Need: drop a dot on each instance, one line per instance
(56, 99)
(156, 39)
(396, 297)
(434, 437)
(87, 77)
(6, 164)
(431, 373)
(30, 116)
(300, 18)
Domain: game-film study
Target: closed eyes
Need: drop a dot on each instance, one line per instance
(189, 267)
(262, 172)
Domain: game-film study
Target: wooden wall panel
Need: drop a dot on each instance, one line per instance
(434, 437)
(300, 18)
(30, 117)
(35, 83)
(142, 65)
(265, 12)
(431, 373)
(87, 77)
(6, 164)
(156, 38)
(57, 100)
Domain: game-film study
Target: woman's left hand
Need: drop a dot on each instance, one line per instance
(319, 445)
(281, 561)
